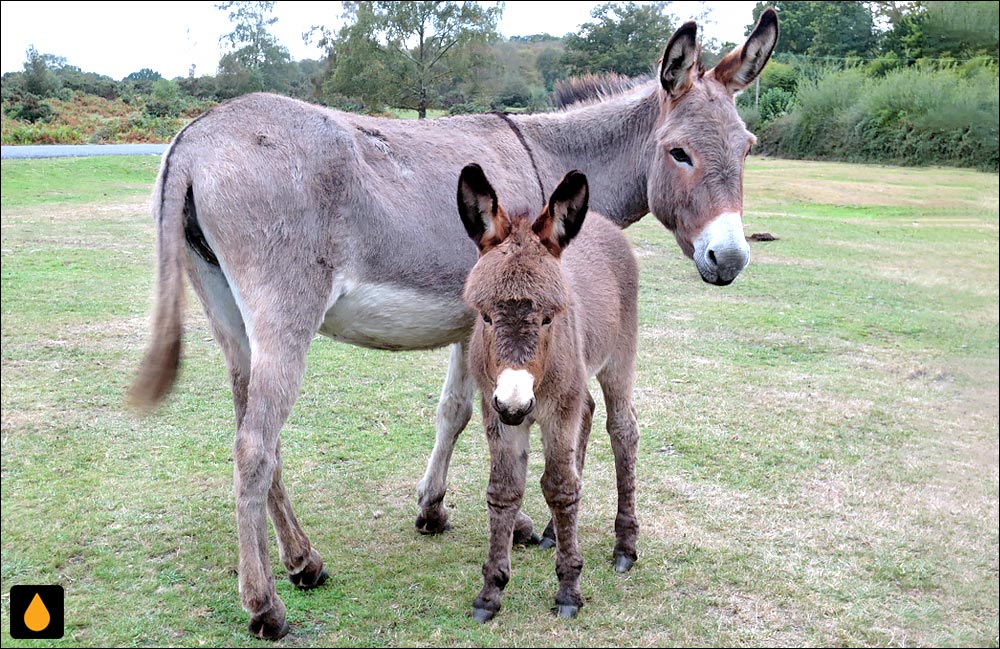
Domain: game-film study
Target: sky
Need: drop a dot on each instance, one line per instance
(118, 38)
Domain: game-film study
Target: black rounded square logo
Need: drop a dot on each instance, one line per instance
(36, 612)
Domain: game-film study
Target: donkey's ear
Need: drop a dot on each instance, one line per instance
(739, 68)
(680, 59)
(477, 205)
(563, 216)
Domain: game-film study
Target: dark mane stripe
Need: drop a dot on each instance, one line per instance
(593, 87)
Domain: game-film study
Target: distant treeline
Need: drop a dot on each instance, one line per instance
(910, 83)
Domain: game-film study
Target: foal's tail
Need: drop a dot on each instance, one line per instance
(161, 364)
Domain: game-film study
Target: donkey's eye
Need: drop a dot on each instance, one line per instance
(681, 156)
(487, 319)
(546, 321)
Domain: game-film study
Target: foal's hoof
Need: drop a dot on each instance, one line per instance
(482, 615)
(568, 610)
(527, 538)
(306, 580)
(266, 629)
(623, 563)
(547, 543)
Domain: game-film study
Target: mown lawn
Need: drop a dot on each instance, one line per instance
(818, 463)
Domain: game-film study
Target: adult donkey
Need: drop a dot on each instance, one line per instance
(291, 219)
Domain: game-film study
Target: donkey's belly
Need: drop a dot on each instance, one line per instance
(386, 316)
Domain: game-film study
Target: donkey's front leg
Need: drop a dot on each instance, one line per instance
(548, 539)
(453, 413)
(561, 486)
(508, 472)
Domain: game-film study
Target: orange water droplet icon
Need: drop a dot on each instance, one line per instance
(37, 616)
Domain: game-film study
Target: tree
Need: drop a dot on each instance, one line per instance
(38, 78)
(822, 29)
(624, 38)
(397, 53)
(258, 61)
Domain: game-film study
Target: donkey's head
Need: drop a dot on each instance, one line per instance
(517, 287)
(695, 183)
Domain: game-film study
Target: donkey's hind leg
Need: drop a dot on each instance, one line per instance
(616, 381)
(280, 324)
(453, 413)
(304, 564)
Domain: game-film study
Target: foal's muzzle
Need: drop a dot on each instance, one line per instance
(513, 417)
(514, 397)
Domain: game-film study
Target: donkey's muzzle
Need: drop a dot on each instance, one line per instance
(512, 416)
(721, 251)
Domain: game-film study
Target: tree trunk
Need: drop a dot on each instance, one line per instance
(422, 104)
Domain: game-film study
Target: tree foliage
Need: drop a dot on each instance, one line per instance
(257, 61)
(399, 53)
(626, 38)
(822, 29)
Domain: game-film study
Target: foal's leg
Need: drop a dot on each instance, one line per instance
(508, 472)
(549, 535)
(453, 413)
(561, 486)
(616, 382)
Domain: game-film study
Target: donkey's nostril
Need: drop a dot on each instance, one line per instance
(496, 404)
(711, 257)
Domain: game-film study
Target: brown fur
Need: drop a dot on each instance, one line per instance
(291, 220)
(557, 298)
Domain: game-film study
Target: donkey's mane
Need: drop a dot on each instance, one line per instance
(590, 88)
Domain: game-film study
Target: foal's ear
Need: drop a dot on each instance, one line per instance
(562, 218)
(680, 59)
(739, 68)
(482, 217)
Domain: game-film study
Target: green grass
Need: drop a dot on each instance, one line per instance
(818, 462)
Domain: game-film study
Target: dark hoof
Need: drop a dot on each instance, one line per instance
(268, 630)
(568, 610)
(623, 563)
(530, 538)
(547, 543)
(306, 580)
(430, 525)
(482, 615)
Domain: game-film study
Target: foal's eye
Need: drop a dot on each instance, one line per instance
(681, 156)
(487, 319)
(546, 321)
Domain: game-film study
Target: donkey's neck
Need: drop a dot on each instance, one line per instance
(609, 141)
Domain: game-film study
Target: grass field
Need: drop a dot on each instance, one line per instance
(818, 463)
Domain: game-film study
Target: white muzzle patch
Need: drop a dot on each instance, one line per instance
(515, 389)
(721, 251)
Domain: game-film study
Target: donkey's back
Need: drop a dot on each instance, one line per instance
(604, 280)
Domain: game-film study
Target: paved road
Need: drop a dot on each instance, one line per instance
(77, 150)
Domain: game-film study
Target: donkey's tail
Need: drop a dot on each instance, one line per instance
(159, 368)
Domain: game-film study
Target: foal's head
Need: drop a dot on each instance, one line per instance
(695, 180)
(517, 287)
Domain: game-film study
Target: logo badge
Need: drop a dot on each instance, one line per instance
(36, 612)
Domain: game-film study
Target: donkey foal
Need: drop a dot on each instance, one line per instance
(549, 318)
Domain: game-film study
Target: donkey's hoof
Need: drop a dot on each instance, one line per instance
(547, 543)
(308, 579)
(482, 615)
(430, 523)
(623, 563)
(568, 610)
(268, 629)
